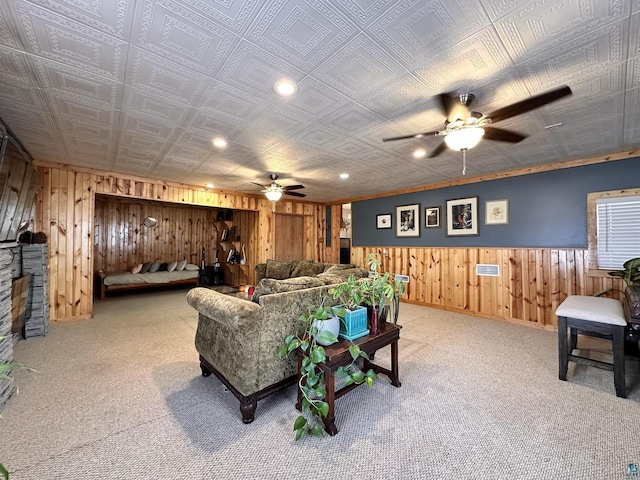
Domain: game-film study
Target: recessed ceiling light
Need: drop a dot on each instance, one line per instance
(419, 153)
(209, 185)
(344, 176)
(285, 87)
(219, 142)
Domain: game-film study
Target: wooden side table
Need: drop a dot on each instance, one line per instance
(338, 355)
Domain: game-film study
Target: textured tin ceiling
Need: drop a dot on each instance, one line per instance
(142, 86)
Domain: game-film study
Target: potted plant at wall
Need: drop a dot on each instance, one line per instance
(630, 274)
(312, 380)
(353, 315)
(379, 292)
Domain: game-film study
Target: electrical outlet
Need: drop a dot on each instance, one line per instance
(402, 278)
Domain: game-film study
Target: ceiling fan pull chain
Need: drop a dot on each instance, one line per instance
(464, 161)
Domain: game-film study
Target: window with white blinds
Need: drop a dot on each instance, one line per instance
(618, 230)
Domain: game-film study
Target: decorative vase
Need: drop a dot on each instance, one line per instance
(332, 324)
(374, 321)
(243, 258)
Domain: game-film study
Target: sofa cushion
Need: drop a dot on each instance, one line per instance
(268, 286)
(180, 265)
(278, 270)
(163, 267)
(307, 269)
(334, 267)
(339, 276)
(145, 267)
(154, 267)
(171, 266)
(191, 267)
(137, 268)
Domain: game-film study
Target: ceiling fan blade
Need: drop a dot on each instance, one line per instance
(415, 135)
(293, 187)
(502, 135)
(259, 184)
(438, 150)
(447, 103)
(294, 194)
(528, 104)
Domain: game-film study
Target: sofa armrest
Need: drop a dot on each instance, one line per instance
(231, 311)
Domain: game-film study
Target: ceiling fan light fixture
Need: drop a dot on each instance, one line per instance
(274, 194)
(464, 139)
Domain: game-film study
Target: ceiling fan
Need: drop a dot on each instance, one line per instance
(274, 191)
(463, 129)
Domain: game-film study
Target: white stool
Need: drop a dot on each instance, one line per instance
(596, 317)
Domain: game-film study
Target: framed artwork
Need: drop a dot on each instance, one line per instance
(383, 221)
(497, 212)
(408, 220)
(462, 216)
(432, 217)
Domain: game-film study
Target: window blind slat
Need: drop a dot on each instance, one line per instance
(618, 231)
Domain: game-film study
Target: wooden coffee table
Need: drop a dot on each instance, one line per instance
(338, 355)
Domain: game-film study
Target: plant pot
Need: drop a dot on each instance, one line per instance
(354, 325)
(331, 324)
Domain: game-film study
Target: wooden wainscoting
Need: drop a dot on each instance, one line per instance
(531, 284)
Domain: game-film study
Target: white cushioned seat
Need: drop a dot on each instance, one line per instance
(594, 309)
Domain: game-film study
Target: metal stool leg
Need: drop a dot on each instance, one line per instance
(618, 361)
(563, 348)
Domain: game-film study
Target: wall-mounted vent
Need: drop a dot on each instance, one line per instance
(484, 270)
(402, 278)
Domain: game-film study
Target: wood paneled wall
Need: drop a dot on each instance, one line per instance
(121, 240)
(65, 213)
(531, 285)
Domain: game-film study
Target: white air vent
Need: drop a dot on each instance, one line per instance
(484, 270)
(402, 278)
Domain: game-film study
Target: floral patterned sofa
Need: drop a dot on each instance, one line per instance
(237, 339)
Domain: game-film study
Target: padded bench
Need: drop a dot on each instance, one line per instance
(597, 317)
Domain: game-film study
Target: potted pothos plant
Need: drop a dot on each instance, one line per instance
(312, 380)
(630, 274)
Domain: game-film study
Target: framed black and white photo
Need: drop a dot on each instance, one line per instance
(462, 216)
(383, 221)
(408, 221)
(497, 212)
(432, 217)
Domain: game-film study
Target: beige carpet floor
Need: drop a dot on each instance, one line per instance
(121, 397)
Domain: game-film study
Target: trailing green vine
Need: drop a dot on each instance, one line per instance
(312, 384)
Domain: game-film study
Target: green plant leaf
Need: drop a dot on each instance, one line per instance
(317, 431)
(289, 338)
(369, 381)
(327, 337)
(299, 433)
(304, 345)
(364, 354)
(323, 407)
(358, 376)
(282, 351)
(295, 343)
(317, 355)
(354, 350)
(4, 472)
(299, 423)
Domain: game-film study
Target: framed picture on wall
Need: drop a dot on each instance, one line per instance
(497, 212)
(408, 220)
(432, 217)
(462, 216)
(383, 221)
